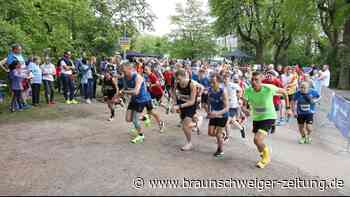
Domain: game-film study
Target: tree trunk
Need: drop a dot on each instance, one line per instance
(344, 77)
(308, 42)
(276, 58)
(259, 50)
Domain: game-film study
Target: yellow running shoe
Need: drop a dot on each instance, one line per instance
(138, 139)
(74, 101)
(68, 102)
(266, 159)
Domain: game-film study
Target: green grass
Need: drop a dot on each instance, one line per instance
(43, 112)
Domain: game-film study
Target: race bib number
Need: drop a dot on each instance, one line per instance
(305, 107)
(260, 110)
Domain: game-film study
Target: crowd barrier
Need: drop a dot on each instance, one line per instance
(339, 114)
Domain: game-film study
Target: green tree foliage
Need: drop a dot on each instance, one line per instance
(264, 24)
(192, 36)
(91, 26)
(283, 31)
(333, 15)
(151, 45)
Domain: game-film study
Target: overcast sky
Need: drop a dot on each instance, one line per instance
(163, 9)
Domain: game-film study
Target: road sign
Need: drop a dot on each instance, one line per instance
(124, 43)
(125, 47)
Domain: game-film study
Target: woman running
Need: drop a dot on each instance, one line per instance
(109, 93)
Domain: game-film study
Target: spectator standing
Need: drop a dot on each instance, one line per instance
(95, 75)
(86, 80)
(67, 77)
(37, 77)
(325, 77)
(16, 76)
(49, 71)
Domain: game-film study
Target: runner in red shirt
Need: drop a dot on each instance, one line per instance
(169, 78)
(271, 79)
(155, 88)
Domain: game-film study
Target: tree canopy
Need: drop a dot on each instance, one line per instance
(192, 36)
(92, 26)
(286, 32)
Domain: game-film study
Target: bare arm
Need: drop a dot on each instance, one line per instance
(283, 92)
(192, 100)
(293, 104)
(245, 107)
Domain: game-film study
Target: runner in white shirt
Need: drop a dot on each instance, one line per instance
(325, 76)
(48, 70)
(234, 92)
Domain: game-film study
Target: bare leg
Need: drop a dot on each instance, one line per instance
(302, 130)
(259, 141)
(309, 129)
(187, 128)
(220, 139)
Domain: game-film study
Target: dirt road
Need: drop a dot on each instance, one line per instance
(86, 155)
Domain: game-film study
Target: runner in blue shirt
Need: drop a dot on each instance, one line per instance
(304, 103)
(218, 113)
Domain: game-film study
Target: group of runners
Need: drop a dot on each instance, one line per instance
(225, 95)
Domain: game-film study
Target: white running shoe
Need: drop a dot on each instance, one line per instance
(187, 147)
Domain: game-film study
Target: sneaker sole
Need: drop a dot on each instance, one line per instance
(139, 142)
(219, 156)
(187, 150)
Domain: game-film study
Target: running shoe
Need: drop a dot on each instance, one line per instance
(279, 123)
(27, 106)
(187, 147)
(74, 101)
(302, 140)
(308, 140)
(161, 126)
(111, 119)
(219, 154)
(138, 139)
(261, 165)
(68, 102)
(266, 159)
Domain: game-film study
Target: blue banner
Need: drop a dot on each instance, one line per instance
(340, 115)
(307, 70)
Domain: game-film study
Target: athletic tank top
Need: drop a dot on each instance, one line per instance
(183, 94)
(143, 95)
(109, 87)
(216, 100)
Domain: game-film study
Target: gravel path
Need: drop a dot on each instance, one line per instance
(87, 155)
